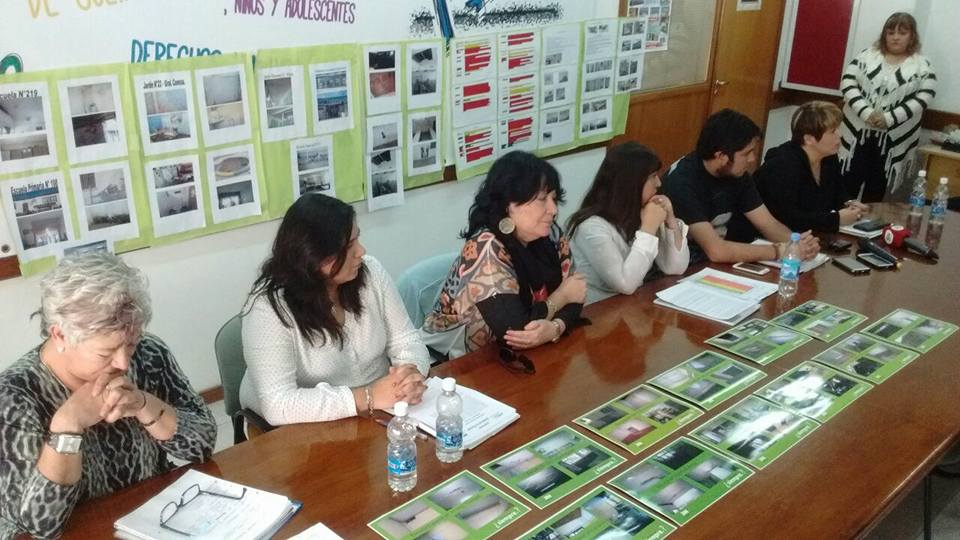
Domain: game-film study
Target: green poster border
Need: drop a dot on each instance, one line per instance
(658, 528)
(729, 390)
(810, 320)
(884, 372)
(659, 432)
(486, 488)
(778, 352)
(837, 403)
(709, 495)
(783, 443)
(924, 347)
(575, 482)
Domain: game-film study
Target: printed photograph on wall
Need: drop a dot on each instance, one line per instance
(332, 110)
(383, 132)
(424, 63)
(26, 131)
(37, 215)
(381, 68)
(312, 162)
(92, 118)
(234, 192)
(422, 152)
(176, 201)
(282, 110)
(105, 202)
(165, 102)
(224, 105)
(384, 180)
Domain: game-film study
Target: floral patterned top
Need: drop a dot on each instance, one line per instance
(484, 269)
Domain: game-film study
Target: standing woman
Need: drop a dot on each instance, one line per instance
(512, 281)
(885, 89)
(623, 226)
(325, 335)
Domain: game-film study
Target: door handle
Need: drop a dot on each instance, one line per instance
(717, 85)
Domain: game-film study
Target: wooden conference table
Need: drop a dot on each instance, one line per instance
(837, 483)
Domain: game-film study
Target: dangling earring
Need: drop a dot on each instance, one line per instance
(60, 350)
(506, 225)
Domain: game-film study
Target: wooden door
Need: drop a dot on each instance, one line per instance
(745, 58)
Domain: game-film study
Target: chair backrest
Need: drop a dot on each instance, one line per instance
(229, 350)
(420, 285)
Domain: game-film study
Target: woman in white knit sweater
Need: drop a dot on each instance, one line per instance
(325, 334)
(623, 226)
(886, 89)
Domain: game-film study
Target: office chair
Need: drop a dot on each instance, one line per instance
(420, 285)
(229, 350)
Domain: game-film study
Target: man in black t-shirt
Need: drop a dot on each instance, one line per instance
(713, 193)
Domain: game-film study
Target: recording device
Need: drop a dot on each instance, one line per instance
(851, 265)
(751, 268)
(874, 261)
(872, 247)
(916, 246)
(838, 246)
(870, 225)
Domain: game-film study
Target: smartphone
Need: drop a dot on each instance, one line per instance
(851, 265)
(874, 260)
(751, 268)
(870, 225)
(838, 245)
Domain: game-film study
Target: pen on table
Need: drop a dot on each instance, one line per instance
(420, 435)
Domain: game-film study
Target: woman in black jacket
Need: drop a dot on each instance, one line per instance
(800, 180)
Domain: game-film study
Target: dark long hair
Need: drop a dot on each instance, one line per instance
(616, 194)
(517, 177)
(313, 230)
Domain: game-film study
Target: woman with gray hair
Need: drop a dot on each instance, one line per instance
(98, 406)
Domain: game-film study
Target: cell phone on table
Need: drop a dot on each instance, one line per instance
(874, 260)
(851, 265)
(870, 225)
(838, 245)
(751, 268)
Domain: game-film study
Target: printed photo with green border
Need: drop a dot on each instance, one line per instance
(602, 513)
(759, 341)
(814, 390)
(823, 321)
(462, 507)
(755, 431)
(683, 479)
(552, 466)
(639, 418)
(866, 357)
(708, 379)
(911, 330)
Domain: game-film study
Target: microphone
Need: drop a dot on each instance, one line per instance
(869, 245)
(916, 246)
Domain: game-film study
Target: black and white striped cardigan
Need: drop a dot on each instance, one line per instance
(901, 94)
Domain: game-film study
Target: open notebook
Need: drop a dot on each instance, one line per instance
(805, 266)
(207, 507)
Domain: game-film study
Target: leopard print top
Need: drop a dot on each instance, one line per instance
(114, 455)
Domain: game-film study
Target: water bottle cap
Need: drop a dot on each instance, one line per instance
(400, 408)
(449, 384)
(922, 173)
(795, 237)
(943, 181)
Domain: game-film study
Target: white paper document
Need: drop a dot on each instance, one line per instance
(716, 295)
(805, 266)
(483, 416)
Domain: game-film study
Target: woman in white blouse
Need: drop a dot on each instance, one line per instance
(623, 226)
(325, 334)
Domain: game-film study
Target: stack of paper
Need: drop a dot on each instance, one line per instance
(805, 266)
(483, 416)
(716, 295)
(218, 509)
(849, 229)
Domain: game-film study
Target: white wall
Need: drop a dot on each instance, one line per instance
(197, 285)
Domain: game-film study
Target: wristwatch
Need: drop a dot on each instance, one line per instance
(66, 443)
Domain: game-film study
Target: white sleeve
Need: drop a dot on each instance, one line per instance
(624, 275)
(670, 260)
(404, 345)
(270, 350)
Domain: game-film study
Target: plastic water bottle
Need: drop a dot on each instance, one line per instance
(918, 199)
(449, 423)
(938, 212)
(401, 450)
(790, 267)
